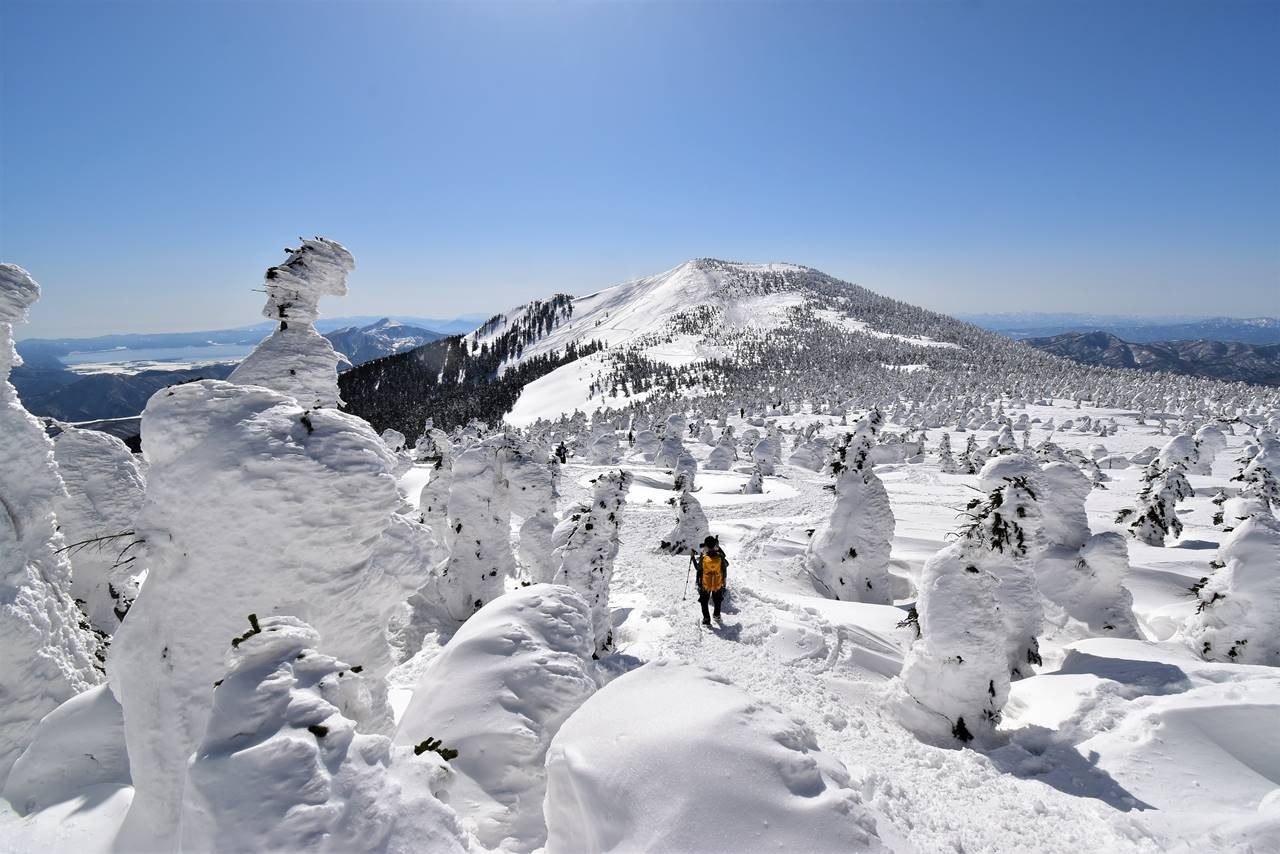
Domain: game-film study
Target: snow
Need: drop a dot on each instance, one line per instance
(756, 779)
(528, 653)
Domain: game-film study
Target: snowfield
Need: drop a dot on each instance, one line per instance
(1052, 629)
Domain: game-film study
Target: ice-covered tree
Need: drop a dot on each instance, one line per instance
(434, 449)
(254, 504)
(532, 487)
(691, 526)
(480, 558)
(586, 543)
(282, 766)
(47, 653)
(848, 556)
(1081, 574)
(295, 359)
(1156, 516)
(972, 458)
(104, 494)
(947, 462)
(755, 482)
(1237, 614)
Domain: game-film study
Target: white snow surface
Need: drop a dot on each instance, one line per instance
(673, 757)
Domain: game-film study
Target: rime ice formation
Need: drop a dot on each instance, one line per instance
(295, 360)
(848, 556)
(282, 766)
(497, 695)
(531, 484)
(691, 526)
(1237, 615)
(47, 653)
(757, 779)
(254, 505)
(586, 543)
(104, 494)
(480, 558)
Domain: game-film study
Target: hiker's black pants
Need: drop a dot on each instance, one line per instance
(716, 598)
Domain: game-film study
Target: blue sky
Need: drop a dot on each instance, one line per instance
(1111, 156)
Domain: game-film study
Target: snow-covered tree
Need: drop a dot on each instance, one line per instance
(1156, 516)
(1210, 442)
(282, 766)
(435, 449)
(47, 653)
(104, 494)
(972, 458)
(586, 543)
(1081, 574)
(848, 556)
(532, 487)
(690, 529)
(295, 359)
(604, 448)
(755, 482)
(1238, 609)
(480, 558)
(947, 462)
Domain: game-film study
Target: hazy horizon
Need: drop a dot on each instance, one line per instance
(1086, 157)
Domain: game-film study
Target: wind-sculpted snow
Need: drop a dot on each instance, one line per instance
(672, 757)
(104, 494)
(254, 505)
(296, 359)
(282, 765)
(47, 653)
(498, 694)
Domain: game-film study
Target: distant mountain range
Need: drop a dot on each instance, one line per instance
(52, 388)
(1247, 330)
(1232, 361)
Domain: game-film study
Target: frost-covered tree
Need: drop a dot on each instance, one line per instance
(1238, 609)
(972, 458)
(947, 462)
(586, 543)
(1259, 475)
(755, 482)
(531, 481)
(47, 653)
(1156, 516)
(254, 504)
(955, 678)
(282, 766)
(691, 526)
(435, 449)
(1210, 442)
(848, 556)
(104, 494)
(604, 448)
(480, 558)
(1081, 574)
(295, 359)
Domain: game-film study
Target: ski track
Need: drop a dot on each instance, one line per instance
(931, 798)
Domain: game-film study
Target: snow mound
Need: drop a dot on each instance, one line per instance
(672, 757)
(497, 694)
(78, 745)
(282, 768)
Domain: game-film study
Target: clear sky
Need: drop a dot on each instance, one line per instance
(1091, 156)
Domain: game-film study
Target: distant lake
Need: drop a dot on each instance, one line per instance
(206, 353)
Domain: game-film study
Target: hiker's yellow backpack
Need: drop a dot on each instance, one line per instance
(712, 573)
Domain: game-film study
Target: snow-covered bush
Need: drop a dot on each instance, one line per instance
(47, 653)
(295, 360)
(848, 556)
(1156, 516)
(531, 648)
(690, 529)
(1238, 610)
(104, 494)
(254, 505)
(755, 778)
(282, 766)
(586, 543)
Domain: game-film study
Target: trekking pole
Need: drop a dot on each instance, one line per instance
(687, 576)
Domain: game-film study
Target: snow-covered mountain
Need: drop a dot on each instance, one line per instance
(384, 337)
(707, 328)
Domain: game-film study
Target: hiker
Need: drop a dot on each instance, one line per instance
(713, 574)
